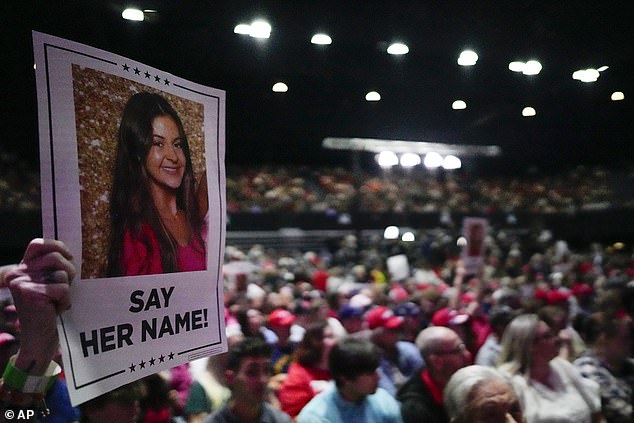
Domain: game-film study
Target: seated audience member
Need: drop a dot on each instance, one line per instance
(412, 325)
(308, 374)
(460, 323)
(209, 391)
(608, 362)
(351, 318)
(120, 405)
(399, 359)
(480, 394)
(422, 396)
(279, 322)
(549, 387)
(356, 397)
(247, 375)
(489, 352)
(557, 317)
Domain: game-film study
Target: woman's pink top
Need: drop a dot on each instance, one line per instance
(141, 254)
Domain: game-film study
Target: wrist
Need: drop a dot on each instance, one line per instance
(19, 380)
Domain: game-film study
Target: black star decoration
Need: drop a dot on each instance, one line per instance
(167, 82)
(156, 78)
(147, 74)
(142, 364)
(171, 356)
(137, 71)
(161, 358)
(126, 67)
(152, 361)
(132, 367)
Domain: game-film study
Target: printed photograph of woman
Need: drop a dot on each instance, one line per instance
(155, 221)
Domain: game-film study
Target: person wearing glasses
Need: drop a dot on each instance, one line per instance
(549, 388)
(422, 395)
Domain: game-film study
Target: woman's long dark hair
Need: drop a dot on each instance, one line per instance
(131, 203)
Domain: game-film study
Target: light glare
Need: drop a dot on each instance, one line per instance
(321, 39)
(459, 105)
(398, 49)
(133, 15)
(603, 68)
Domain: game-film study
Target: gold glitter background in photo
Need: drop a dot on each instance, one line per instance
(99, 100)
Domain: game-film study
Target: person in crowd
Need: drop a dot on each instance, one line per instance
(489, 352)
(120, 405)
(351, 318)
(279, 321)
(557, 316)
(608, 362)
(209, 391)
(155, 221)
(248, 373)
(549, 388)
(460, 323)
(356, 397)
(444, 352)
(308, 374)
(399, 359)
(480, 394)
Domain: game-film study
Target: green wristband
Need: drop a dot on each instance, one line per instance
(18, 380)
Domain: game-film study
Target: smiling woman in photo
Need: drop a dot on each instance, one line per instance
(156, 224)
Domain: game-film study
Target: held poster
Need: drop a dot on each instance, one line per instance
(133, 181)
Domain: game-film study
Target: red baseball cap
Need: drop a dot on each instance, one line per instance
(383, 317)
(281, 317)
(449, 317)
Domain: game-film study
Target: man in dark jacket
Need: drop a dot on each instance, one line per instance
(422, 395)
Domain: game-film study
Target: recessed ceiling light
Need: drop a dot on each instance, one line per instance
(532, 67)
(257, 29)
(603, 68)
(373, 96)
(260, 29)
(617, 96)
(517, 66)
(133, 15)
(467, 58)
(459, 105)
(321, 39)
(410, 160)
(280, 87)
(398, 49)
(586, 75)
(528, 111)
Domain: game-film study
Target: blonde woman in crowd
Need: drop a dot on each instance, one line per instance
(549, 388)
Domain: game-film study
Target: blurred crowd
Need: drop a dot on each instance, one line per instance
(286, 189)
(303, 303)
(293, 189)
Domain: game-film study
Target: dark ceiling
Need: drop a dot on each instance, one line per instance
(575, 123)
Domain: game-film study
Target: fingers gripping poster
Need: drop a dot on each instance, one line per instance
(133, 181)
